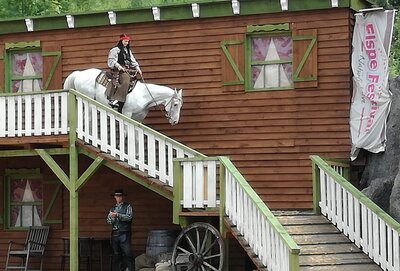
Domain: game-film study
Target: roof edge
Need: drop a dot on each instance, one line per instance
(175, 11)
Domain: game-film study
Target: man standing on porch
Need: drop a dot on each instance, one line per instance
(120, 217)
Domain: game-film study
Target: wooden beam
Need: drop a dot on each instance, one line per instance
(32, 152)
(124, 169)
(43, 140)
(89, 172)
(55, 167)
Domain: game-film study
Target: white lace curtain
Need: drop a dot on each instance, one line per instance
(26, 203)
(24, 67)
(272, 49)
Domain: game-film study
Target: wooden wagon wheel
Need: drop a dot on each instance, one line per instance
(199, 247)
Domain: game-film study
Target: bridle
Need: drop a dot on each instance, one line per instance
(173, 98)
(167, 114)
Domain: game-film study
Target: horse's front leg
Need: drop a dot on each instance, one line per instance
(140, 116)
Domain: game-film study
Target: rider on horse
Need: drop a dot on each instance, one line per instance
(122, 62)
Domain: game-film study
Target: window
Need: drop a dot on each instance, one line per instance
(270, 62)
(24, 63)
(24, 198)
(269, 57)
(26, 71)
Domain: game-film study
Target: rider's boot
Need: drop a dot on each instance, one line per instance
(113, 103)
(120, 106)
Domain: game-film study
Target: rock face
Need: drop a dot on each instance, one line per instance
(380, 179)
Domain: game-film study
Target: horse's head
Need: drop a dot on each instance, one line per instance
(173, 107)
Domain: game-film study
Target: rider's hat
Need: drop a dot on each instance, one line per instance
(119, 192)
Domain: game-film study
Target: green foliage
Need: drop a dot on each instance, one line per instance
(26, 8)
(395, 48)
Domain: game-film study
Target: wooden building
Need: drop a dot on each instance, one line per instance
(266, 83)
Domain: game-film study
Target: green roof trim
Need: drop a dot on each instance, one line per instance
(173, 10)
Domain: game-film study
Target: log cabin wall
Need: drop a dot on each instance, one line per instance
(268, 134)
(151, 211)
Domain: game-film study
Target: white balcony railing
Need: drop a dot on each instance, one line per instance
(34, 114)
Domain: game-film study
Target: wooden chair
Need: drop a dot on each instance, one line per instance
(33, 247)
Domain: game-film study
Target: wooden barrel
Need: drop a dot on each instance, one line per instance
(160, 241)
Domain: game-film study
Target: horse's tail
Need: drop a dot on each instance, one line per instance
(69, 81)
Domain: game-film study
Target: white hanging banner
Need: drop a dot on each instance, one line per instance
(371, 99)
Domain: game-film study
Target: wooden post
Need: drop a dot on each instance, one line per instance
(316, 188)
(222, 197)
(73, 193)
(178, 181)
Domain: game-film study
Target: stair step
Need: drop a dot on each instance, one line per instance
(312, 249)
(343, 267)
(311, 229)
(317, 239)
(334, 259)
(303, 220)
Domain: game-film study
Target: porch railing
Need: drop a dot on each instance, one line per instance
(34, 113)
(215, 181)
(128, 140)
(367, 225)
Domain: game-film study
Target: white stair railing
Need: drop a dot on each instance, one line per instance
(215, 181)
(127, 140)
(367, 225)
(36, 113)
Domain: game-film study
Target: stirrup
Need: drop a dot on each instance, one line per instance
(113, 103)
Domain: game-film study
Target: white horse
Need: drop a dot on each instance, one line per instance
(138, 102)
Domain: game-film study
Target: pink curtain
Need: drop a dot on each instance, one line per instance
(260, 48)
(27, 64)
(24, 191)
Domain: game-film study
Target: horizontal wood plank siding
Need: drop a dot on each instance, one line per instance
(151, 211)
(268, 135)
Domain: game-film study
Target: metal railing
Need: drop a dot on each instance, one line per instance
(353, 213)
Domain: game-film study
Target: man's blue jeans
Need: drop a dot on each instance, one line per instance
(122, 248)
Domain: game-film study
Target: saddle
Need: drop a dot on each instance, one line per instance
(107, 77)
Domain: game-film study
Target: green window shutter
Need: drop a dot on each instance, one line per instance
(52, 73)
(305, 61)
(232, 62)
(52, 203)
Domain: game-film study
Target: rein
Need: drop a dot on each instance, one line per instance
(166, 113)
